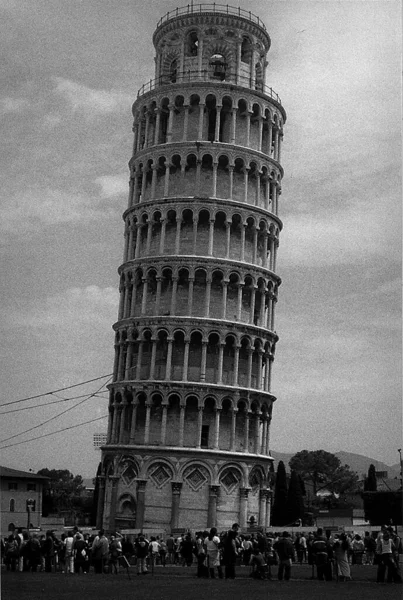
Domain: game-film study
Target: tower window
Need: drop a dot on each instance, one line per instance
(173, 71)
(12, 505)
(246, 51)
(192, 45)
(219, 66)
(204, 436)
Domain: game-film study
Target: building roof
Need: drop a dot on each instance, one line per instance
(15, 474)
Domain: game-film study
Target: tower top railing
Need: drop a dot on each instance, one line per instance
(205, 75)
(213, 7)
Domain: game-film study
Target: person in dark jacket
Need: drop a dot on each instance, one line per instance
(322, 553)
(286, 555)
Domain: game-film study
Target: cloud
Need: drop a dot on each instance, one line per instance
(90, 101)
(13, 105)
(31, 210)
(70, 311)
(113, 185)
(337, 236)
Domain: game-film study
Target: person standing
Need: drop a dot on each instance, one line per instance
(212, 546)
(80, 553)
(286, 555)
(100, 551)
(342, 566)
(385, 549)
(142, 552)
(230, 553)
(68, 556)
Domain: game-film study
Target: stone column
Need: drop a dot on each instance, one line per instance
(233, 429)
(147, 129)
(200, 56)
(203, 361)
(186, 361)
(233, 125)
(122, 289)
(112, 518)
(256, 434)
(199, 425)
(116, 422)
(280, 141)
(110, 423)
(260, 133)
(162, 238)
(217, 123)
(176, 496)
(270, 136)
(185, 123)
(143, 182)
(154, 169)
(201, 121)
(141, 492)
(195, 221)
(169, 359)
(239, 305)
(217, 429)
(122, 422)
(138, 240)
(212, 506)
(246, 179)
(248, 116)
(157, 126)
(158, 295)
(166, 181)
(144, 299)
(228, 238)
(133, 423)
(139, 359)
(170, 123)
(126, 243)
(220, 363)
(190, 296)
(164, 423)
(215, 167)
(147, 423)
(243, 508)
(178, 235)
(260, 367)
(243, 233)
(153, 356)
(249, 374)
(254, 254)
(224, 298)
(208, 293)
(130, 252)
(231, 181)
(238, 59)
(246, 438)
(262, 508)
(101, 502)
(211, 238)
(182, 408)
(174, 292)
(236, 365)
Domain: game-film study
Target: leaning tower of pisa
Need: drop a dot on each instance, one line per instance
(188, 443)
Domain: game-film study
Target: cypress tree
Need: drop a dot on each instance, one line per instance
(279, 513)
(295, 502)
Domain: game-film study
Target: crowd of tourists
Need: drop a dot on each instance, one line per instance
(214, 554)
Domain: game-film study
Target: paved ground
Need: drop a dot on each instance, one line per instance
(175, 583)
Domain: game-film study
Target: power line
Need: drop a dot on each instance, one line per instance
(14, 410)
(88, 396)
(69, 387)
(55, 432)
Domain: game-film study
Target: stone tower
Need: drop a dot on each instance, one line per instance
(190, 402)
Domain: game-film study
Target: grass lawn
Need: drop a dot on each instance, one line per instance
(180, 583)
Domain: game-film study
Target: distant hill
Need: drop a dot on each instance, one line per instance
(356, 462)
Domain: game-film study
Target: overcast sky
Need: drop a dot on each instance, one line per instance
(70, 72)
